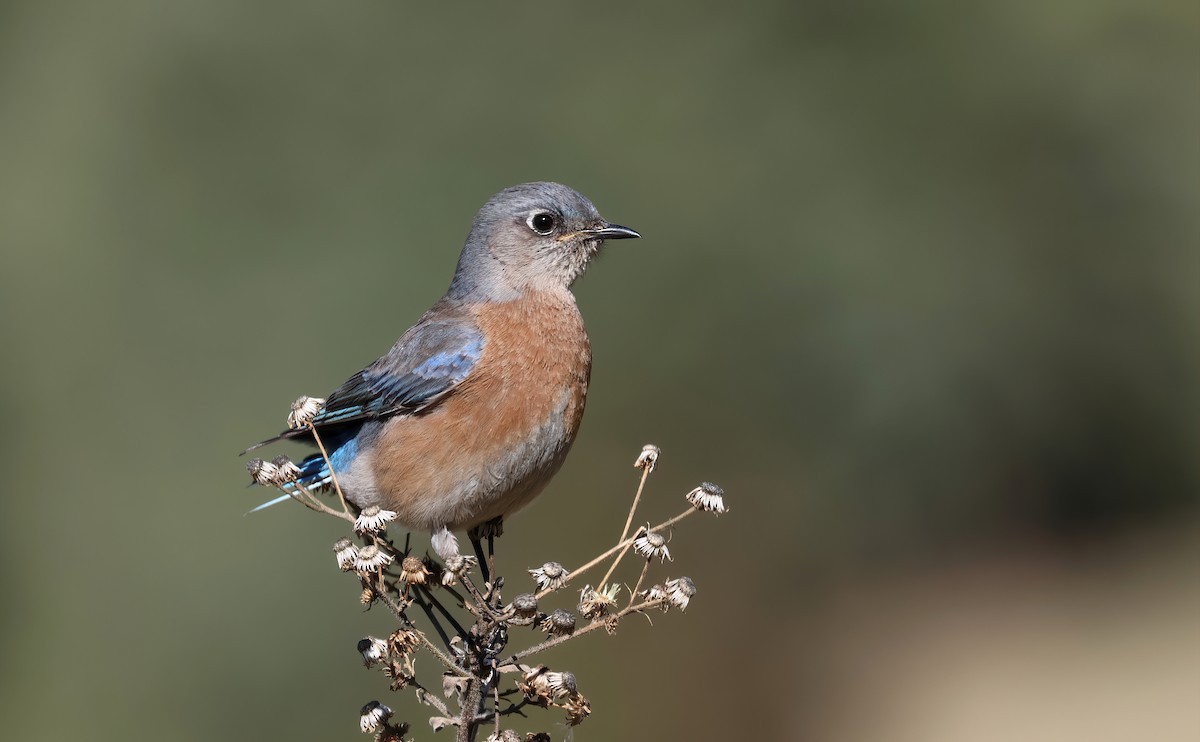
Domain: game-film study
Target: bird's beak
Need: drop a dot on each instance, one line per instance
(611, 232)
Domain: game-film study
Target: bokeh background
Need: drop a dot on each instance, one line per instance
(918, 287)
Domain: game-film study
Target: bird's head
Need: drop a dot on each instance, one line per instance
(529, 237)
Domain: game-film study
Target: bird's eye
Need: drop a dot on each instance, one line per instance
(542, 223)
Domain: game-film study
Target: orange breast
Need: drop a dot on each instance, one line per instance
(493, 444)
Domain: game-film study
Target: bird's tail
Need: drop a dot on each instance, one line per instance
(314, 477)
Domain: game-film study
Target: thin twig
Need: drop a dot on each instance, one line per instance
(555, 641)
(636, 498)
(332, 473)
(641, 578)
(442, 657)
(660, 527)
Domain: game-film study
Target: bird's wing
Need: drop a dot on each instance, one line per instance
(422, 367)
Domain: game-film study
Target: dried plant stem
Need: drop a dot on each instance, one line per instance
(623, 545)
(555, 641)
(332, 474)
(641, 579)
(633, 508)
(433, 649)
(469, 650)
(613, 567)
(470, 707)
(306, 498)
(625, 531)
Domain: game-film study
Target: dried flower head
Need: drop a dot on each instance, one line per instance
(457, 566)
(648, 457)
(373, 519)
(403, 641)
(650, 544)
(371, 559)
(391, 733)
(559, 623)
(534, 685)
(654, 592)
(708, 497)
(346, 553)
(303, 411)
(413, 571)
(373, 716)
(373, 650)
(398, 674)
(285, 470)
(594, 603)
(551, 575)
(680, 591)
(561, 684)
(578, 709)
(262, 472)
(525, 605)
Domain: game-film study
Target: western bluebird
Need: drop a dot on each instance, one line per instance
(468, 416)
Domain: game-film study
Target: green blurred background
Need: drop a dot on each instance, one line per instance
(918, 287)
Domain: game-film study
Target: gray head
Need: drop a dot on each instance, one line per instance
(529, 237)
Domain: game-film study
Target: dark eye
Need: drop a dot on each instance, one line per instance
(542, 223)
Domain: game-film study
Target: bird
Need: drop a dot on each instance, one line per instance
(473, 410)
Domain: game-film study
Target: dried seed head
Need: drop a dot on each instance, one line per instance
(367, 596)
(680, 591)
(457, 566)
(550, 575)
(285, 470)
(398, 674)
(650, 545)
(648, 457)
(561, 684)
(403, 641)
(594, 603)
(373, 716)
(504, 735)
(533, 684)
(391, 733)
(262, 472)
(372, 649)
(373, 519)
(371, 560)
(303, 411)
(654, 592)
(525, 605)
(559, 623)
(578, 709)
(708, 497)
(346, 552)
(413, 571)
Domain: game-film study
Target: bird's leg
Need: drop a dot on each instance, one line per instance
(489, 529)
(484, 564)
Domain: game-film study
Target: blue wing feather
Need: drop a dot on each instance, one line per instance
(433, 357)
(429, 361)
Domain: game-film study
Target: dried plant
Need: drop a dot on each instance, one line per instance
(481, 681)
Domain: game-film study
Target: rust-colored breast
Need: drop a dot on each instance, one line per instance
(493, 444)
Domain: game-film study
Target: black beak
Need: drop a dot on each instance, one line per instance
(612, 232)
